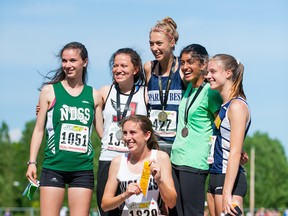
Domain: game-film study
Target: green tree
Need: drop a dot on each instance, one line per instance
(4, 133)
(271, 171)
(97, 147)
(22, 151)
(6, 164)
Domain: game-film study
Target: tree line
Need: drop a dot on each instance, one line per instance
(271, 169)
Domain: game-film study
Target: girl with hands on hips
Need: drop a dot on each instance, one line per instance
(144, 173)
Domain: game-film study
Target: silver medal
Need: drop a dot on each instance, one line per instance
(119, 134)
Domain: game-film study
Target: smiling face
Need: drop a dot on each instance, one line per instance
(191, 67)
(72, 63)
(216, 76)
(123, 69)
(134, 137)
(160, 45)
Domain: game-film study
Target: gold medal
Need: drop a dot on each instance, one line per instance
(184, 132)
(162, 116)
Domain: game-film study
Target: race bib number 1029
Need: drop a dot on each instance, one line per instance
(145, 212)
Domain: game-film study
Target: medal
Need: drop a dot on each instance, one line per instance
(184, 132)
(119, 134)
(120, 115)
(162, 116)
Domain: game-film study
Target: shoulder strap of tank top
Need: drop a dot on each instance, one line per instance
(107, 96)
(153, 154)
(153, 65)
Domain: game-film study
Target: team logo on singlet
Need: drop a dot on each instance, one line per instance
(131, 110)
(174, 97)
(74, 113)
(152, 184)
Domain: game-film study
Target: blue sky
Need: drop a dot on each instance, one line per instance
(255, 32)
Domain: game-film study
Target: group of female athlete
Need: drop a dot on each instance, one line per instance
(164, 126)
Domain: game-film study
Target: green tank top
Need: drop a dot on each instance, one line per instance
(68, 131)
(192, 151)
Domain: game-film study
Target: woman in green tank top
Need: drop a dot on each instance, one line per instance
(68, 110)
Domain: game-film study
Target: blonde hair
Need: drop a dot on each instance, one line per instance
(168, 27)
(230, 63)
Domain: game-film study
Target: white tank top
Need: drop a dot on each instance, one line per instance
(111, 146)
(138, 204)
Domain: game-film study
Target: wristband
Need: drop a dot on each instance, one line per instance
(31, 162)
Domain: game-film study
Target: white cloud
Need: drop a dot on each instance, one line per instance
(15, 134)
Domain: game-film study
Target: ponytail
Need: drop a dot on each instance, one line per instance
(237, 87)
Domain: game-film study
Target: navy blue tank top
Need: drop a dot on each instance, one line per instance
(165, 131)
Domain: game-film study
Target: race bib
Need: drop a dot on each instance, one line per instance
(165, 128)
(74, 138)
(210, 159)
(143, 209)
(115, 141)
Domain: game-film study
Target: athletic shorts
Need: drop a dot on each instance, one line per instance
(54, 178)
(216, 184)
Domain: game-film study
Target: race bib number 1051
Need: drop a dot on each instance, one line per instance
(74, 138)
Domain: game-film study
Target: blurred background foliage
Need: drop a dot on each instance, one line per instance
(271, 169)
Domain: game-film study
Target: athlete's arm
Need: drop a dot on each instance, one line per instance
(146, 95)
(45, 99)
(147, 70)
(98, 119)
(238, 115)
(109, 200)
(244, 156)
(162, 173)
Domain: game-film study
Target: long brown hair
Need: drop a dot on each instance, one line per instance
(145, 125)
(58, 74)
(230, 63)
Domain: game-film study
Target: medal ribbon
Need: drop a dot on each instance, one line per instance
(164, 102)
(126, 105)
(192, 101)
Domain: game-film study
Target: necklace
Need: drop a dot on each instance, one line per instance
(184, 131)
(162, 116)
